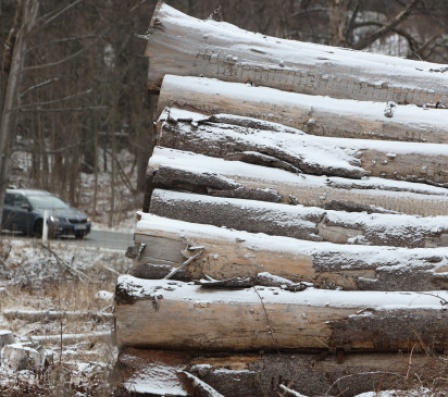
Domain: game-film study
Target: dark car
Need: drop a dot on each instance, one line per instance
(23, 211)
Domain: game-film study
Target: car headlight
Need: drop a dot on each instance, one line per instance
(54, 219)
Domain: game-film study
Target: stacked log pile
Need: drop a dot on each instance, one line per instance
(295, 230)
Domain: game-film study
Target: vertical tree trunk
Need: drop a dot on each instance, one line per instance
(338, 15)
(12, 66)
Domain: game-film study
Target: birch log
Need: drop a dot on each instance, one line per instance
(275, 146)
(182, 45)
(178, 170)
(308, 223)
(272, 318)
(261, 374)
(316, 115)
(231, 253)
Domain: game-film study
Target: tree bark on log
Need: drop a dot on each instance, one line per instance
(308, 223)
(314, 115)
(274, 319)
(230, 253)
(182, 45)
(278, 147)
(177, 170)
(261, 374)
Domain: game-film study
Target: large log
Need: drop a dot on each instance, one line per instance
(315, 115)
(176, 315)
(231, 253)
(157, 372)
(178, 170)
(181, 45)
(273, 145)
(308, 223)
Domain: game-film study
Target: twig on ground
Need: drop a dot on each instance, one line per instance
(290, 391)
(74, 272)
(204, 389)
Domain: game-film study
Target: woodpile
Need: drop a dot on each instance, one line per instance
(295, 229)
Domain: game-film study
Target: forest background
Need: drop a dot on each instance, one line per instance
(73, 75)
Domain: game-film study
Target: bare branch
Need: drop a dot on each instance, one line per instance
(39, 85)
(81, 109)
(67, 98)
(43, 21)
(51, 64)
(363, 43)
(59, 41)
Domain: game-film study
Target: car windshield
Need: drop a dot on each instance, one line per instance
(47, 202)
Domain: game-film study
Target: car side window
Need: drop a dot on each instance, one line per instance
(9, 199)
(20, 201)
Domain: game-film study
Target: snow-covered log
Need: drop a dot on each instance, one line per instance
(155, 372)
(104, 336)
(6, 338)
(177, 315)
(316, 115)
(179, 170)
(308, 223)
(182, 45)
(273, 145)
(19, 357)
(228, 253)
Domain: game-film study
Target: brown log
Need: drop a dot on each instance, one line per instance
(182, 45)
(314, 115)
(176, 315)
(177, 170)
(261, 374)
(275, 146)
(230, 253)
(308, 223)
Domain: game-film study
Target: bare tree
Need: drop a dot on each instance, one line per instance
(12, 67)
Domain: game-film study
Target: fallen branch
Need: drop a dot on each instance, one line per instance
(74, 272)
(72, 338)
(290, 391)
(43, 315)
(201, 387)
(186, 263)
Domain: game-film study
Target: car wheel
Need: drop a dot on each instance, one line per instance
(38, 225)
(80, 235)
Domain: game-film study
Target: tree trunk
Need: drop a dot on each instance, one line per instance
(261, 374)
(182, 45)
(12, 66)
(178, 170)
(231, 253)
(338, 12)
(231, 138)
(272, 318)
(312, 223)
(314, 115)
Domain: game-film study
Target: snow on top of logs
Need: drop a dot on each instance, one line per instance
(318, 115)
(295, 139)
(275, 146)
(230, 253)
(183, 45)
(236, 169)
(312, 297)
(402, 228)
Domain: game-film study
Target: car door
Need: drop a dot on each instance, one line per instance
(23, 218)
(8, 211)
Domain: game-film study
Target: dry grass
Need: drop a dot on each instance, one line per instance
(34, 279)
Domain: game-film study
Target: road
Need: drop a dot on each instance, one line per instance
(96, 238)
(106, 239)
